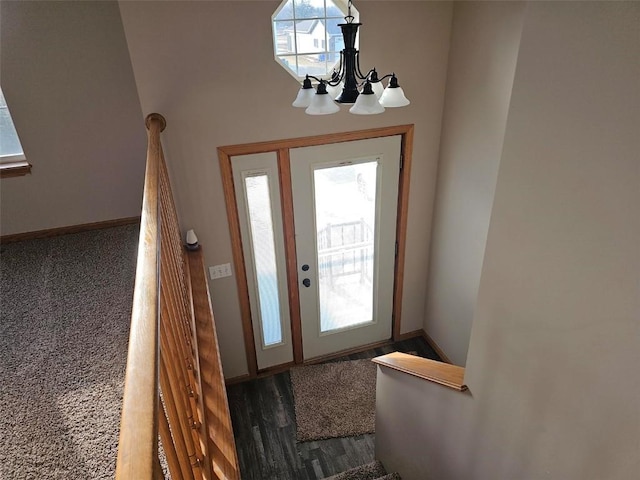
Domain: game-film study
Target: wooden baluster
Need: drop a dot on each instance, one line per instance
(172, 313)
(169, 446)
(176, 336)
(222, 453)
(158, 474)
(202, 431)
(183, 387)
(178, 311)
(181, 405)
(174, 420)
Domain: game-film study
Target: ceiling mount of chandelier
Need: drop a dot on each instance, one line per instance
(348, 85)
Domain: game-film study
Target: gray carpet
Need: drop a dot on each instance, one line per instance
(65, 306)
(370, 471)
(334, 399)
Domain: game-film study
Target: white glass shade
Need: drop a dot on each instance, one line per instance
(322, 104)
(303, 100)
(394, 97)
(335, 91)
(366, 104)
(377, 89)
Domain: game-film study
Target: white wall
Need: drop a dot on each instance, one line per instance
(67, 78)
(209, 68)
(555, 343)
(484, 47)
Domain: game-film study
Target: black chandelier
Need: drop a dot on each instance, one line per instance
(348, 85)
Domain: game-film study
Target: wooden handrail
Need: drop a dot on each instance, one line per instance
(445, 374)
(174, 385)
(137, 447)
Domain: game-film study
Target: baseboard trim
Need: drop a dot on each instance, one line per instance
(409, 335)
(54, 232)
(432, 343)
(348, 351)
(238, 379)
(284, 367)
(267, 372)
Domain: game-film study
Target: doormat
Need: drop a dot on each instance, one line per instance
(335, 399)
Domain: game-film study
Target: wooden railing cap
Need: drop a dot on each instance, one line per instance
(155, 117)
(445, 374)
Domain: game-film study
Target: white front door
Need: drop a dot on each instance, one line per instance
(345, 205)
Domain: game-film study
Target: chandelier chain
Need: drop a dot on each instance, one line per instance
(349, 18)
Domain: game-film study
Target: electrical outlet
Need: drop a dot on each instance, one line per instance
(226, 270)
(220, 271)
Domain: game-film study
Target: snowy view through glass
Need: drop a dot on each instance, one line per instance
(345, 209)
(264, 257)
(307, 38)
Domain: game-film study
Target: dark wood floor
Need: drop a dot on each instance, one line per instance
(265, 430)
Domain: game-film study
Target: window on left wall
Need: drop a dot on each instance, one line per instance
(12, 159)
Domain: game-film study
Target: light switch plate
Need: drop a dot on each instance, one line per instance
(220, 271)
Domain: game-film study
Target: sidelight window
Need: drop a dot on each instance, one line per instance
(264, 254)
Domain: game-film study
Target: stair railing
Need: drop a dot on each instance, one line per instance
(174, 386)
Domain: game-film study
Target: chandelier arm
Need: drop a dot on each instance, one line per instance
(317, 79)
(389, 75)
(340, 72)
(358, 72)
(368, 75)
(335, 82)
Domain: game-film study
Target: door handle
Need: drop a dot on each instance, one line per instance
(306, 282)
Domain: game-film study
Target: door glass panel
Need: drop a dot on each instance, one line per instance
(345, 213)
(264, 254)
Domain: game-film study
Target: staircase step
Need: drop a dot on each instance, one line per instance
(370, 471)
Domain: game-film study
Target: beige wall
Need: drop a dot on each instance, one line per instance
(555, 343)
(484, 47)
(66, 74)
(209, 68)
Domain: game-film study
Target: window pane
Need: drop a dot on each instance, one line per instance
(309, 8)
(286, 12)
(345, 199)
(313, 65)
(284, 37)
(308, 35)
(334, 34)
(334, 11)
(290, 62)
(9, 142)
(264, 254)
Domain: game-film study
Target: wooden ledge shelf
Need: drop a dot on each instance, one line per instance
(15, 169)
(445, 374)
